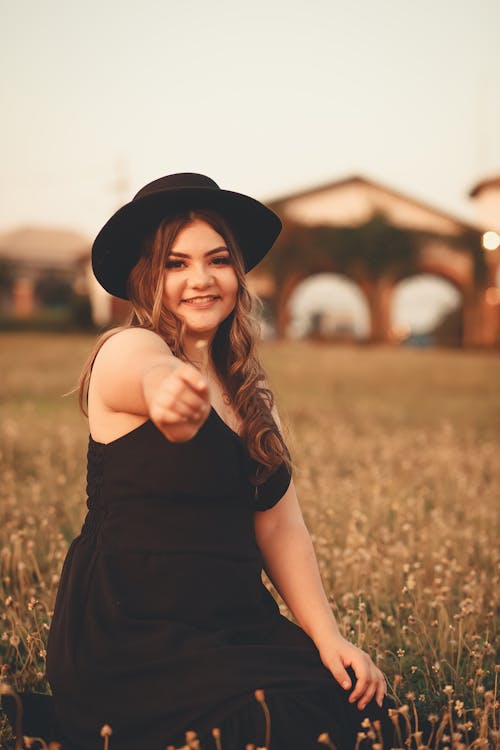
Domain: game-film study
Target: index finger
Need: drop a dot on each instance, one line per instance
(193, 378)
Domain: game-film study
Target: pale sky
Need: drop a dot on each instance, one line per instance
(265, 96)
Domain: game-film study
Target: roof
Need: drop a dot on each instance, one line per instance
(379, 186)
(491, 182)
(44, 245)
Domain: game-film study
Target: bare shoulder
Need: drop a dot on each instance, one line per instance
(118, 370)
(131, 341)
(128, 348)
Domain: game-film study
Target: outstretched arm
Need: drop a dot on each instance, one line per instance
(136, 373)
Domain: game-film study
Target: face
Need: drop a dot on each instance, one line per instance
(200, 285)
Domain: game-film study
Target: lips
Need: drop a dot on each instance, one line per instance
(201, 300)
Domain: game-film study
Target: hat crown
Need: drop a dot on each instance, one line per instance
(176, 182)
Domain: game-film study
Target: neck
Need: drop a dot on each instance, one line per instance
(197, 349)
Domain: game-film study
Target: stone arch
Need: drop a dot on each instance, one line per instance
(346, 314)
(417, 327)
(456, 274)
(293, 281)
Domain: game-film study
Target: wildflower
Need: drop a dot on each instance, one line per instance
(14, 640)
(366, 723)
(400, 652)
(324, 739)
(448, 689)
(410, 696)
(192, 740)
(459, 708)
(106, 732)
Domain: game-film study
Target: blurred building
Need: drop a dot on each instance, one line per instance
(40, 266)
(446, 246)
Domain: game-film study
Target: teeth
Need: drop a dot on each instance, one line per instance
(198, 300)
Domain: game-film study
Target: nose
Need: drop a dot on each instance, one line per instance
(200, 276)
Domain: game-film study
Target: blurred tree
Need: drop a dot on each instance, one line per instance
(370, 250)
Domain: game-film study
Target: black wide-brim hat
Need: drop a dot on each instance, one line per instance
(118, 246)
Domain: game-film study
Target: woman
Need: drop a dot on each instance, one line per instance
(162, 623)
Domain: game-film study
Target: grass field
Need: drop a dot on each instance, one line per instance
(397, 472)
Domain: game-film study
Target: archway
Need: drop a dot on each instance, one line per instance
(427, 310)
(329, 306)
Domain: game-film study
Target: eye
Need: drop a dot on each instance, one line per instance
(222, 260)
(174, 263)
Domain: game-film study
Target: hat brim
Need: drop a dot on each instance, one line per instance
(117, 247)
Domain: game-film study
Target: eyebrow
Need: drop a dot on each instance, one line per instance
(210, 252)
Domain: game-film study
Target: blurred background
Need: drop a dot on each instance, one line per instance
(370, 127)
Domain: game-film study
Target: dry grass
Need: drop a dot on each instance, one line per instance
(397, 472)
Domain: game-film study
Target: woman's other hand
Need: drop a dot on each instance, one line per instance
(370, 682)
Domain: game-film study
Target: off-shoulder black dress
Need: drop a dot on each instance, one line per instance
(162, 622)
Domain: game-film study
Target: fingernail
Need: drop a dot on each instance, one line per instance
(345, 684)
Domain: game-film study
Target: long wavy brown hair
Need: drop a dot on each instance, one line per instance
(233, 350)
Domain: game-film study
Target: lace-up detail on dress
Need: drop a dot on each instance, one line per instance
(95, 478)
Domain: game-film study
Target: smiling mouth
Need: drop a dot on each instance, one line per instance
(201, 300)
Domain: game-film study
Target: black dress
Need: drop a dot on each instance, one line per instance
(162, 622)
